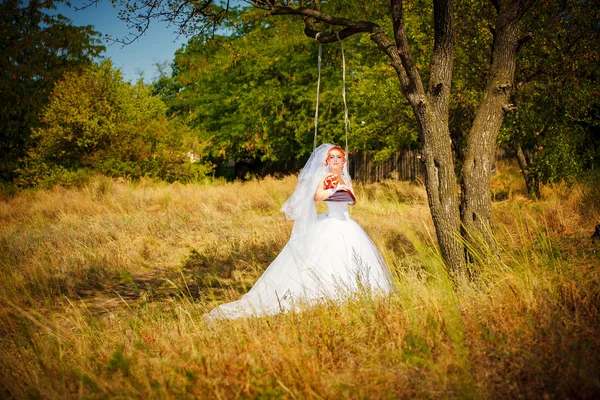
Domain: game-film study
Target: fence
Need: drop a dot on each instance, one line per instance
(405, 166)
(401, 166)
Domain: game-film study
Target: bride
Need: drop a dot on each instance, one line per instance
(328, 255)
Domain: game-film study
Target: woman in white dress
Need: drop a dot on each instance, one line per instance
(328, 256)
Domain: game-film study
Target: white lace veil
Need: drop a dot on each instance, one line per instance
(300, 207)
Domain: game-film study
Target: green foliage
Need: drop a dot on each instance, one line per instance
(382, 119)
(252, 91)
(96, 121)
(386, 123)
(37, 172)
(249, 94)
(37, 49)
(557, 119)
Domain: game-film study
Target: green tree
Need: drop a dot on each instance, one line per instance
(254, 98)
(247, 91)
(96, 121)
(37, 49)
(552, 131)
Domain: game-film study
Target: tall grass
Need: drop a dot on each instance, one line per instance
(104, 287)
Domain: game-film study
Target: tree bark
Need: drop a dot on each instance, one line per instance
(531, 181)
(442, 186)
(431, 112)
(476, 200)
(432, 117)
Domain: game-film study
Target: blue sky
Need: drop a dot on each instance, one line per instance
(157, 45)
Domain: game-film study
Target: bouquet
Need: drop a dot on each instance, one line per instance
(331, 182)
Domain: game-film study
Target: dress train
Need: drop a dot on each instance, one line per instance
(333, 258)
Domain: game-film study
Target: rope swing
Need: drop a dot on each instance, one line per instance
(318, 87)
(346, 119)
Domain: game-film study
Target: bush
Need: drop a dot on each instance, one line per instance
(97, 122)
(36, 172)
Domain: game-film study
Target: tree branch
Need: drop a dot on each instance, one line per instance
(316, 15)
(414, 80)
(523, 40)
(330, 37)
(442, 60)
(186, 15)
(378, 36)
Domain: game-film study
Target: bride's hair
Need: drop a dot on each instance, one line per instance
(338, 148)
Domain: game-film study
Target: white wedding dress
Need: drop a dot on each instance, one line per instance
(335, 258)
(329, 256)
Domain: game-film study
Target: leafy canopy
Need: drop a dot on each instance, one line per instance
(37, 49)
(96, 121)
(251, 91)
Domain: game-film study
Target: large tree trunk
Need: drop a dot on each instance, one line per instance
(440, 177)
(442, 187)
(431, 112)
(476, 200)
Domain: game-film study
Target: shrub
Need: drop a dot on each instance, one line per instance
(97, 122)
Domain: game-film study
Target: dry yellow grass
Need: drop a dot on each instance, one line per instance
(104, 287)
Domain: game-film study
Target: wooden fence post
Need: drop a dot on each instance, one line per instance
(402, 165)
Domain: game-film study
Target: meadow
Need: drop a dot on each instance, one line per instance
(104, 287)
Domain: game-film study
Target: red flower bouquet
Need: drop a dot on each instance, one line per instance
(331, 182)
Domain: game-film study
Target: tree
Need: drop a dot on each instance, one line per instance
(247, 102)
(37, 49)
(96, 121)
(551, 133)
(247, 91)
(468, 211)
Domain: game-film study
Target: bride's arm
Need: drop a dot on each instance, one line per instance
(322, 194)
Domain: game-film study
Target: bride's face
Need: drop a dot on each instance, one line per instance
(335, 160)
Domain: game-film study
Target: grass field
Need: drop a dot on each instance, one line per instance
(104, 287)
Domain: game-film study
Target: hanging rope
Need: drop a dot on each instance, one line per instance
(346, 120)
(318, 87)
